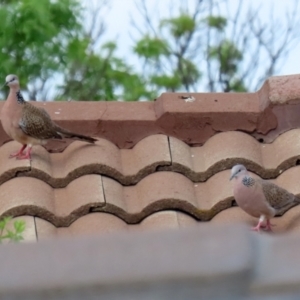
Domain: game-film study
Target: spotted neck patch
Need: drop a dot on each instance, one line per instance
(20, 98)
(248, 181)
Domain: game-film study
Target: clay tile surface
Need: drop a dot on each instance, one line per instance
(155, 165)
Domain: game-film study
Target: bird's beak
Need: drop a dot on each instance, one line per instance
(231, 177)
(4, 85)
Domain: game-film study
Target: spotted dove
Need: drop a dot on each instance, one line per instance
(28, 124)
(260, 198)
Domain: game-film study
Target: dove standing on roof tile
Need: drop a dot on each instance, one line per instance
(30, 125)
(260, 198)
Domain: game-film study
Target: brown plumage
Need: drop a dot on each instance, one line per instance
(28, 124)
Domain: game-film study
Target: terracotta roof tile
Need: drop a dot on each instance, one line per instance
(156, 192)
(166, 220)
(103, 223)
(167, 190)
(93, 223)
(79, 158)
(157, 152)
(129, 166)
(21, 196)
(224, 150)
(264, 114)
(162, 164)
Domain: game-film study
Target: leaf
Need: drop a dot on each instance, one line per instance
(228, 56)
(168, 82)
(4, 222)
(151, 47)
(19, 226)
(216, 22)
(181, 25)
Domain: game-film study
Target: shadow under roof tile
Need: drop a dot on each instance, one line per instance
(215, 194)
(146, 156)
(159, 187)
(224, 150)
(30, 196)
(128, 167)
(80, 158)
(168, 190)
(218, 153)
(24, 195)
(79, 196)
(155, 192)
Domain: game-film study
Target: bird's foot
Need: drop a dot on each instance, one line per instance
(19, 153)
(268, 226)
(257, 228)
(24, 156)
(16, 154)
(27, 155)
(261, 225)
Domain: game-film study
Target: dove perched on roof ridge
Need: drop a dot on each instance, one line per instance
(28, 124)
(260, 198)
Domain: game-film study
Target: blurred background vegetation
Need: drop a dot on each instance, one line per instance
(58, 55)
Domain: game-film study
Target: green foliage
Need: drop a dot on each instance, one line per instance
(165, 81)
(34, 35)
(14, 235)
(100, 76)
(151, 47)
(227, 55)
(218, 22)
(238, 85)
(180, 26)
(189, 72)
(42, 40)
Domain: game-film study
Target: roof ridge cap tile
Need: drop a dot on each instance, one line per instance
(282, 89)
(190, 117)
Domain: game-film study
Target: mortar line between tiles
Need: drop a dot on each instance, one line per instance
(103, 192)
(169, 144)
(36, 234)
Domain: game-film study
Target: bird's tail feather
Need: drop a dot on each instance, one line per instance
(71, 135)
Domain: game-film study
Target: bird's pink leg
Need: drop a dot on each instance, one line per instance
(268, 226)
(260, 224)
(27, 155)
(19, 153)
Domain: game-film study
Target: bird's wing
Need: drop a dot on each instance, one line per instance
(37, 123)
(275, 195)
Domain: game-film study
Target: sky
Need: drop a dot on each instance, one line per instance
(117, 19)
